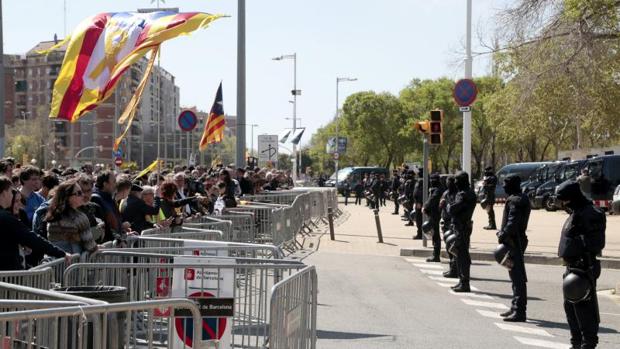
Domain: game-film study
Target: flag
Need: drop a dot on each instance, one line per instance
(104, 46)
(284, 136)
(214, 127)
(297, 136)
(150, 168)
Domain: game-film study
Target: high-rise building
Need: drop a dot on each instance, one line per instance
(29, 81)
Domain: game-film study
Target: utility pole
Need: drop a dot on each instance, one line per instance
(1, 85)
(467, 115)
(240, 84)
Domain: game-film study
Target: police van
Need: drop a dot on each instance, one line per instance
(605, 174)
(522, 169)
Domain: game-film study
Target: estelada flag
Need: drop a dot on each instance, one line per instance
(214, 127)
(104, 46)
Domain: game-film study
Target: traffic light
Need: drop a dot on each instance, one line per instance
(435, 129)
(422, 126)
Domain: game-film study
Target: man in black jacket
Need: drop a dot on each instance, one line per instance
(431, 209)
(461, 211)
(512, 235)
(447, 198)
(418, 201)
(394, 187)
(489, 182)
(582, 240)
(135, 210)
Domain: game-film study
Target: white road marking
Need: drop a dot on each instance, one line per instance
(612, 314)
(474, 288)
(444, 284)
(431, 266)
(542, 343)
(473, 295)
(441, 278)
(432, 272)
(487, 313)
(483, 304)
(415, 260)
(523, 329)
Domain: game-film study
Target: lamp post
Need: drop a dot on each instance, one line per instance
(252, 140)
(295, 92)
(338, 81)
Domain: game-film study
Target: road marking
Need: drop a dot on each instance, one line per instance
(473, 295)
(415, 260)
(484, 304)
(432, 272)
(542, 343)
(441, 278)
(444, 284)
(487, 313)
(431, 266)
(474, 288)
(612, 314)
(523, 329)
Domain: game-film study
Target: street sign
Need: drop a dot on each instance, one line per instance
(118, 161)
(267, 149)
(330, 146)
(464, 109)
(187, 120)
(336, 156)
(465, 92)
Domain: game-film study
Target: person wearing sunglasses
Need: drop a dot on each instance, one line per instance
(67, 227)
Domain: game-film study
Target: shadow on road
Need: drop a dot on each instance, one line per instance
(348, 335)
(509, 296)
(564, 326)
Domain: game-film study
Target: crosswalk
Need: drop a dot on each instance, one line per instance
(488, 307)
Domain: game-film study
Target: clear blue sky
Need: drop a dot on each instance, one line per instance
(382, 43)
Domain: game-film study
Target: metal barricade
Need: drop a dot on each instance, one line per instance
(240, 226)
(40, 278)
(263, 215)
(58, 266)
(293, 311)
(185, 232)
(252, 284)
(91, 326)
(211, 223)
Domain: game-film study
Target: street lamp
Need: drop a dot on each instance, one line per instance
(295, 92)
(338, 81)
(252, 141)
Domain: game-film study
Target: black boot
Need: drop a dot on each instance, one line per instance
(451, 274)
(433, 259)
(490, 227)
(463, 286)
(457, 285)
(417, 237)
(517, 316)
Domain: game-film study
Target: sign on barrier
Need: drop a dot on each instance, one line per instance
(202, 248)
(212, 290)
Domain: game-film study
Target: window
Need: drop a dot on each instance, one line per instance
(21, 86)
(29, 71)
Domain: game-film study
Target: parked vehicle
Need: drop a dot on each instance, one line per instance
(537, 178)
(542, 195)
(615, 204)
(355, 174)
(523, 169)
(605, 173)
(570, 170)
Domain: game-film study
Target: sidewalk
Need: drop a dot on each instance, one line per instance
(358, 234)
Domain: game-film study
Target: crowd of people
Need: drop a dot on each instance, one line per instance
(446, 215)
(60, 212)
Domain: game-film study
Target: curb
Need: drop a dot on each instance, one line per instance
(606, 263)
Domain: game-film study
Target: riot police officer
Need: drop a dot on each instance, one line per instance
(447, 198)
(418, 200)
(376, 187)
(432, 211)
(394, 190)
(582, 240)
(512, 235)
(408, 204)
(489, 182)
(461, 211)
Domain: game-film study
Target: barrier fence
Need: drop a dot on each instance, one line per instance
(220, 280)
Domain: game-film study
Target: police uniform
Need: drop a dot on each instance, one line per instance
(394, 189)
(447, 198)
(582, 240)
(408, 193)
(418, 200)
(512, 235)
(461, 211)
(431, 209)
(489, 182)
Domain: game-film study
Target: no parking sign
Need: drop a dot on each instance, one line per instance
(212, 290)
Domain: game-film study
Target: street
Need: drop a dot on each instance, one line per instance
(371, 298)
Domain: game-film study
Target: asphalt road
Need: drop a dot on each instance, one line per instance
(370, 301)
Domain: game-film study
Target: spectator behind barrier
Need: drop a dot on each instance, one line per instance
(68, 228)
(171, 208)
(135, 210)
(15, 233)
(48, 182)
(30, 179)
(104, 197)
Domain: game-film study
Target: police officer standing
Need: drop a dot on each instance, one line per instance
(514, 242)
(376, 187)
(582, 240)
(394, 190)
(418, 201)
(447, 198)
(408, 189)
(461, 212)
(431, 209)
(489, 182)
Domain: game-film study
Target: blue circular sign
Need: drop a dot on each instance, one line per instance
(187, 120)
(465, 92)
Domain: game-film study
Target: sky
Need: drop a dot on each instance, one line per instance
(384, 44)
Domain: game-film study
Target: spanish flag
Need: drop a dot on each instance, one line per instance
(214, 127)
(104, 46)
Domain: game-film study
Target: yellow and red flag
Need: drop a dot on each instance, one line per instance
(104, 46)
(214, 127)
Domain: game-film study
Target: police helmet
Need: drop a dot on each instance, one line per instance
(502, 256)
(484, 203)
(451, 243)
(446, 234)
(427, 226)
(576, 286)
